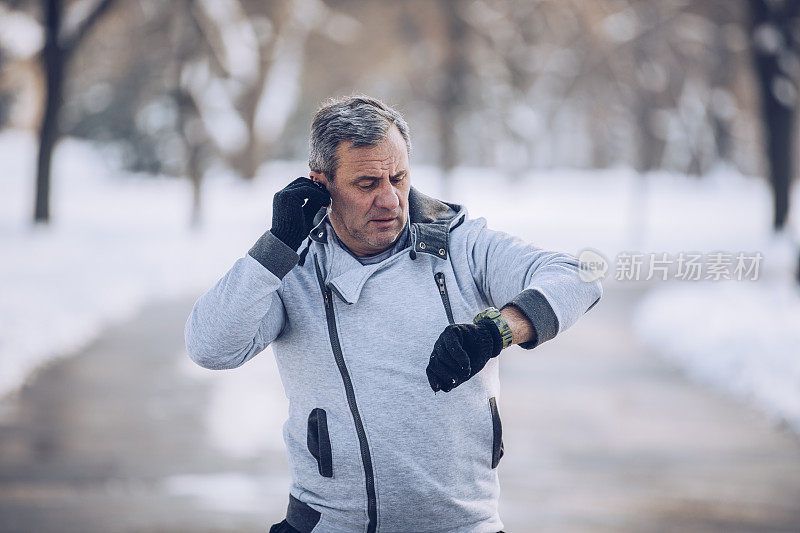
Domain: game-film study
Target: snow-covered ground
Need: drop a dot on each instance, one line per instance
(119, 240)
(115, 242)
(743, 338)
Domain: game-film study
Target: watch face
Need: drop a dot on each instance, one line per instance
(494, 315)
(490, 312)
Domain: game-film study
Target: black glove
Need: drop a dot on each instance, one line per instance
(461, 351)
(291, 220)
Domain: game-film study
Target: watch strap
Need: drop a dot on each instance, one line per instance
(493, 314)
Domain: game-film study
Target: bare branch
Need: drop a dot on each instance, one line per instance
(74, 40)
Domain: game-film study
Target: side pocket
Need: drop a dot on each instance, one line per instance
(497, 433)
(319, 443)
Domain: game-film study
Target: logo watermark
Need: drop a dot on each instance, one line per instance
(683, 266)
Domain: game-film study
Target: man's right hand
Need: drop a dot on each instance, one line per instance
(292, 215)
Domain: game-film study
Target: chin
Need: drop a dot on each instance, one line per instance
(385, 238)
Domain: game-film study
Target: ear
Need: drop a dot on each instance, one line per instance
(319, 177)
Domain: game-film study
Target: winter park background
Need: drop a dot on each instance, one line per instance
(624, 127)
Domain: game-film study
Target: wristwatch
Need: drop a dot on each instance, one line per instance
(493, 314)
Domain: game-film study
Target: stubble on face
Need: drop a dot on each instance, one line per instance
(372, 182)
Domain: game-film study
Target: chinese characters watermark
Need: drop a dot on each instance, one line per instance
(684, 266)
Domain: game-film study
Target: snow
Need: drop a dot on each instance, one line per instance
(742, 338)
(21, 36)
(222, 122)
(230, 492)
(115, 242)
(621, 26)
(246, 408)
(282, 84)
(238, 37)
(120, 240)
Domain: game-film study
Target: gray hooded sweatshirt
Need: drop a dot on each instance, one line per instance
(370, 446)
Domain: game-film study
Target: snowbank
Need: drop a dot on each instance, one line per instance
(115, 242)
(741, 338)
(118, 240)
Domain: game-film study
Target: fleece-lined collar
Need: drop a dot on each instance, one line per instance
(431, 222)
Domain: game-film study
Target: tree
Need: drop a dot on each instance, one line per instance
(55, 57)
(453, 88)
(775, 47)
(236, 82)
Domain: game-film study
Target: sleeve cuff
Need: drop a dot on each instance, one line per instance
(540, 313)
(274, 254)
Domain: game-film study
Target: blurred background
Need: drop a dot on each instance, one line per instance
(141, 142)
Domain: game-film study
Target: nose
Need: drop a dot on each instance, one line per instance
(387, 197)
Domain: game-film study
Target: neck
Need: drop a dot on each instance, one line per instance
(354, 249)
(356, 252)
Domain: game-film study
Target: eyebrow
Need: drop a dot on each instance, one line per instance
(373, 178)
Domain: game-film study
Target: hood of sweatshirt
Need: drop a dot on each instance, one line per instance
(431, 221)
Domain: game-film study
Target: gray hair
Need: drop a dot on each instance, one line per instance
(362, 120)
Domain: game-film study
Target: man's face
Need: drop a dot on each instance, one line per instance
(369, 195)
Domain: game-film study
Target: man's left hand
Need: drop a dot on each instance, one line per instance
(461, 351)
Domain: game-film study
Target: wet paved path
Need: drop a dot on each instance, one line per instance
(600, 435)
(605, 436)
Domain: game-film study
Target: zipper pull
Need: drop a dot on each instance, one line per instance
(440, 282)
(413, 252)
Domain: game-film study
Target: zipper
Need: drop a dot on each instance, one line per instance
(439, 277)
(366, 458)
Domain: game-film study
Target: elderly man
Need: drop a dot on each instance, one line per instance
(386, 310)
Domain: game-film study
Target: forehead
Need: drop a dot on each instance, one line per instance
(387, 157)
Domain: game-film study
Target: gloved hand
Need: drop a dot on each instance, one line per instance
(461, 351)
(291, 220)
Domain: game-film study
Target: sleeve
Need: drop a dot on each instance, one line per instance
(243, 312)
(544, 285)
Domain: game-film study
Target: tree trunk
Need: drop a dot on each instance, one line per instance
(452, 91)
(777, 117)
(183, 43)
(53, 64)
(55, 56)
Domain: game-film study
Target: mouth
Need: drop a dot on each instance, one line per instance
(383, 222)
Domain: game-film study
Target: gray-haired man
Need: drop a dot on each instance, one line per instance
(374, 297)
